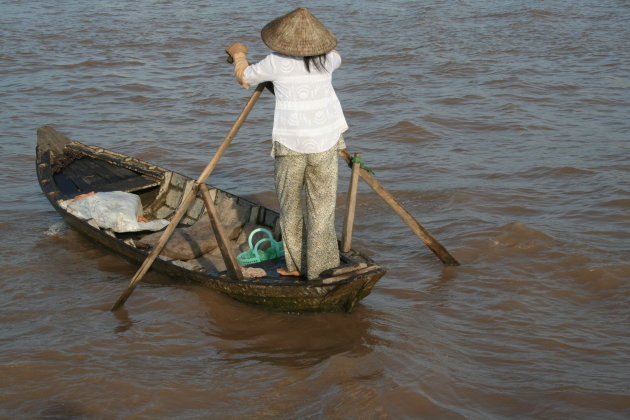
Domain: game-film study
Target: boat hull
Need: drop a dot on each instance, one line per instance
(337, 292)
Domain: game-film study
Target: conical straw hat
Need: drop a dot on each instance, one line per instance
(298, 33)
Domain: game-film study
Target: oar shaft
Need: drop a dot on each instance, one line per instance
(144, 268)
(223, 240)
(230, 135)
(398, 208)
(188, 198)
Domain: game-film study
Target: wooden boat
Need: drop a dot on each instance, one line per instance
(67, 168)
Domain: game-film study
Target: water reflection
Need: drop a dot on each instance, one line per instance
(297, 340)
(125, 322)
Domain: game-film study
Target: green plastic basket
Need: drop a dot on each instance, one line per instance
(255, 255)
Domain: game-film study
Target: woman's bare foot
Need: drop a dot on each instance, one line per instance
(284, 272)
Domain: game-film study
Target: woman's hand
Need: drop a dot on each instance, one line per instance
(236, 48)
(237, 52)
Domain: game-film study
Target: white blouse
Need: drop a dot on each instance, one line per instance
(308, 117)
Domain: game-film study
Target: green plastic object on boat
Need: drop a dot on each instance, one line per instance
(255, 255)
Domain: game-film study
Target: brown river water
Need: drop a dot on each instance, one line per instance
(501, 125)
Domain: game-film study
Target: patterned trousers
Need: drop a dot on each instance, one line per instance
(310, 245)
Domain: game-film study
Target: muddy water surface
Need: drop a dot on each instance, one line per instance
(501, 125)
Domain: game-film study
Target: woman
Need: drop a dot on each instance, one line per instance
(308, 122)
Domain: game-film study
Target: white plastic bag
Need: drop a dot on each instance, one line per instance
(116, 210)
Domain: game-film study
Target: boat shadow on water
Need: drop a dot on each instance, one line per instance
(287, 339)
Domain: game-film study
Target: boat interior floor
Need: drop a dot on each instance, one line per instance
(213, 261)
(85, 174)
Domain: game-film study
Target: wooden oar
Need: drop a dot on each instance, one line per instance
(188, 198)
(417, 228)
